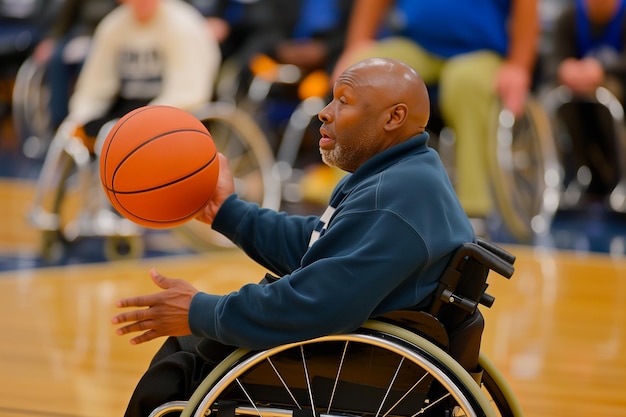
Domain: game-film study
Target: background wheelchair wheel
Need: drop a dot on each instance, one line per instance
(239, 138)
(525, 171)
(52, 246)
(31, 118)
(498, 390)
(60, 203)
(380, 370)
(123, 247)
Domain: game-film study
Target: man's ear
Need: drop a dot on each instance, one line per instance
(397, 116)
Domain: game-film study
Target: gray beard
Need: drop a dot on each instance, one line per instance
(349, 160)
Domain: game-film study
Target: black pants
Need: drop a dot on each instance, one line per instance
(176, 370)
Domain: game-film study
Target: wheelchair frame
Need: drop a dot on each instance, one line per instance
(561, 95)
(68, 168)
(69, 203)
(398, 365)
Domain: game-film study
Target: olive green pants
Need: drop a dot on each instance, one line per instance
(466, 99)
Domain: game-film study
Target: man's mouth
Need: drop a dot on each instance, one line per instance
(326, 142)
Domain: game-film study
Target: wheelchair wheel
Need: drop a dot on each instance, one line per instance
(29, 107)
(525, 171)
(239, 138)
(123, 247)
(60, 203)
(379, 370)
(498, 390)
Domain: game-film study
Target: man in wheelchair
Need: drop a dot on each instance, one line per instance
(391, 227)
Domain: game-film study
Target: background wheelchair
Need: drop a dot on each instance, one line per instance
(524, 170)
(407, 363)
(577, 176)
(69, 203)
(31, 118)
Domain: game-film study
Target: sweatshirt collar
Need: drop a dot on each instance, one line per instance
(378, 163)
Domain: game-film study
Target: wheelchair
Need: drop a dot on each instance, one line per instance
(523, 165)
(406, 363)
(69, 203)
(31, 98)
(525, 171)
(578, 181)
(31, 118)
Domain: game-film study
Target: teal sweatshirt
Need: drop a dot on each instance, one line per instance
(380, 246)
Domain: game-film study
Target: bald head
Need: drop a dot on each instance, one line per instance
(377, 103)
(392, 82)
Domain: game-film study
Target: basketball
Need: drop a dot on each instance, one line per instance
(159, 166)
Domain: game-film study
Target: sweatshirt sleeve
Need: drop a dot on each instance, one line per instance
(274, 240)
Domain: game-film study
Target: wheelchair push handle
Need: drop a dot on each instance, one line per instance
(493, 257)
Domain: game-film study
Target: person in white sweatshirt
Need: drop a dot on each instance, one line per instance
(145, 52)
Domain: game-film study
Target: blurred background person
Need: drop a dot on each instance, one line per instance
(144, 52)
(471, 54)
(588, 52)
(23, 23)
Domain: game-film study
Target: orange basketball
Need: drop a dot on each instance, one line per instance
(159, 166)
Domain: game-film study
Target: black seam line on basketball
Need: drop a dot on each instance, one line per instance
(115, 133)
(191, 174)
(171, 220)
(153, 139)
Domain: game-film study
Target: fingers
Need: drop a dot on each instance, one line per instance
(140, 301)
(142, 326)
(161, 281)
(160, 314)
(145, 337)
(140, 321)
(132, 316)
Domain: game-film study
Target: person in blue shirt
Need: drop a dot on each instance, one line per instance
(587, 52)
(473, 53)
(390, 228)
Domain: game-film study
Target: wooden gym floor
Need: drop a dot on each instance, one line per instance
(557, 330)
